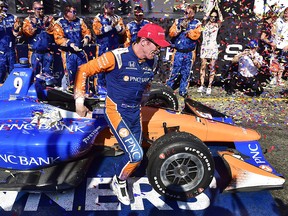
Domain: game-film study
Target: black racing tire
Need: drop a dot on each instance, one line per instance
(180, 166)
(162, 96)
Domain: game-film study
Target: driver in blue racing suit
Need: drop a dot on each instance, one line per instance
(130, 71)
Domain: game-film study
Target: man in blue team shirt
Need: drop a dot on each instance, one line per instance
(10, 29)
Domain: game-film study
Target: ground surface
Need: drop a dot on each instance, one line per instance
(268, 114)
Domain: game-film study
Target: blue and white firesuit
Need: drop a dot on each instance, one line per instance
(132, 28)
(127, 79)
(8, 35)
(40, 39)
(65, 33)
(185, 42)
(107, 30)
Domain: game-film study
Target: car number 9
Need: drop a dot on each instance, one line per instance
(18, 83)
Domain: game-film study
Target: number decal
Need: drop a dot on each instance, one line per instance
(18, 83)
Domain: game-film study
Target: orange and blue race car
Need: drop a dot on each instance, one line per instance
(46, 146)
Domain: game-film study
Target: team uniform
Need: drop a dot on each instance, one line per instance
(127, 79)
(107, 38)
(107, 30)
(132, 28)
(130, 71)
(65, 33)
(8, 36)
(185, 43)
(40, 39)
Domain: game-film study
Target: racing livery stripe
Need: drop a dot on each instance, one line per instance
(114, 117)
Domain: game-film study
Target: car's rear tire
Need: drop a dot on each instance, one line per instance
(161, 96)
(180, 166)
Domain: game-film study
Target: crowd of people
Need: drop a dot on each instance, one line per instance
(263, 60)
(10, 29)
(71, 34)
(263, 57)
(123, 73)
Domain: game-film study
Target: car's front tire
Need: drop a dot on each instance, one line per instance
(180, 166)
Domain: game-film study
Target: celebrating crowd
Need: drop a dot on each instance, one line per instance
(264, 56)
(71, 34)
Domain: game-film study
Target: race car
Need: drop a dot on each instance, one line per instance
(46, 146)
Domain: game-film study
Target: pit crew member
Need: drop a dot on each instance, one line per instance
(39, 30)
(71, 34)
(135, 25)
(10, 29)
(185, 33)
(108, 28)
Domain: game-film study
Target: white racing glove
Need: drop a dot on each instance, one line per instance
(76, 49)
(107, 28)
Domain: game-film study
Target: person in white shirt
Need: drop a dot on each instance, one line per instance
(280, 33)
(245, 78)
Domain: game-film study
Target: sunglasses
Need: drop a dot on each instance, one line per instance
(158, 48)
(213, 16)
(39, 8)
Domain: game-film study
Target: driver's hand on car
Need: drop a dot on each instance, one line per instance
(81, 109)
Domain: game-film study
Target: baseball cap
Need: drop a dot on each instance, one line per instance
(252, 44)
(138, 10)
(154, 32)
